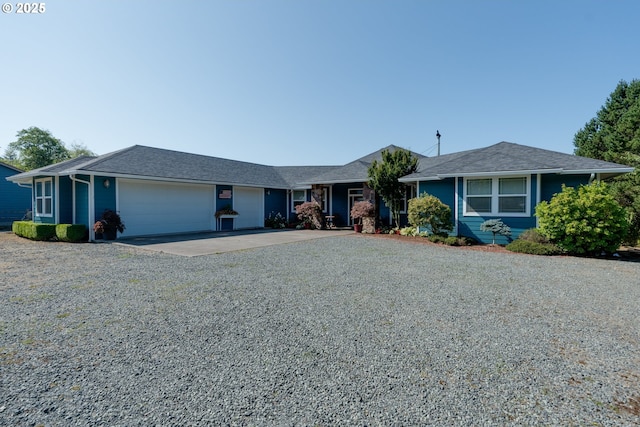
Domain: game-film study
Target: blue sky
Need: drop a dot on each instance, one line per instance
(313, 82)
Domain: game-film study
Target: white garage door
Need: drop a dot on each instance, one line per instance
(249, 203)
(149, 207)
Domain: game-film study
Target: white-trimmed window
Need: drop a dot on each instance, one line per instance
(298, 197)
(44, 197)
(504, 196)
(409, 193)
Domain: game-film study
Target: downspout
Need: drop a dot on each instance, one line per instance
(29, 185)
(92, 236)
(456, 206)
(538, 195)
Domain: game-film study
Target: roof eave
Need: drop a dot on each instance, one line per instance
(420, 178)
(334, 181)
(182, 180)
(619, 171)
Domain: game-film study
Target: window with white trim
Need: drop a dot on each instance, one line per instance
(409, 194)
(298, 197)
(44, 197)
(504, 196)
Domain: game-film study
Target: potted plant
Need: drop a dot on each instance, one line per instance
(360, 210)
(109, 225)
(226, 211)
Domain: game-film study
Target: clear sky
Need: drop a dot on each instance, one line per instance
(313, 82)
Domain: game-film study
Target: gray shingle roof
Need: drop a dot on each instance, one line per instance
(156, 163)
(54, 169)
(295, 175)
(507, 157)
(148, 162)
(356, 171)
(144, 161)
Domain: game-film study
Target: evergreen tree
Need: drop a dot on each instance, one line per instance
(614, 135)
(383, 178)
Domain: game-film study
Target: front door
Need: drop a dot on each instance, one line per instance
(355, 195)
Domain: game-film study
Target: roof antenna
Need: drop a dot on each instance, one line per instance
(438, 136)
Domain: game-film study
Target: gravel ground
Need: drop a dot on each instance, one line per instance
(348, 330)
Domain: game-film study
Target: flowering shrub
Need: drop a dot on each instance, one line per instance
(98, 227)
(310, 213)
(362, 209)
(275, 220)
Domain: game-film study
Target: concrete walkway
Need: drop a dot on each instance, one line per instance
(224, 241)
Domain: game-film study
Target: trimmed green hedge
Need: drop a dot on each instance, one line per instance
(71, 232)
(534, 248)
(64, 232)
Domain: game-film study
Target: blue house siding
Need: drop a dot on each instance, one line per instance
(104, 198)
(14, 200)
(340, 202)
(552, 184)
(469, 226)
(65, 204)
(82, 202)
(221, 203)
(443, 190)
(275, 200)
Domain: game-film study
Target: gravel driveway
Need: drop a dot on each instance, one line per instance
(349, 330)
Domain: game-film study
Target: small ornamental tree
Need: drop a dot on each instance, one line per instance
(311, 213)
(584, 221)
(428, 211)
(496, 226)
(362, 209)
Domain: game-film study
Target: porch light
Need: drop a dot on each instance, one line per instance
(106, 183)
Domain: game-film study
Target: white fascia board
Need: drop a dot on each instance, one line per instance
(186, 181)
(502, 173)
(22, 180)
(26, 176)
(420, 179)
(336, 181)
(585, 171)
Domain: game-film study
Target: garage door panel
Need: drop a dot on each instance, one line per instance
(249, 203)
(149, 207)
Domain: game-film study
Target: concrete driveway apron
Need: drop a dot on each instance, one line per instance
(224, 241)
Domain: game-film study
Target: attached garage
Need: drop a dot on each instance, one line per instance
(151, 207)
(249, 203)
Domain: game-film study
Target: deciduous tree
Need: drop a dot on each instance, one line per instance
(36, 148)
